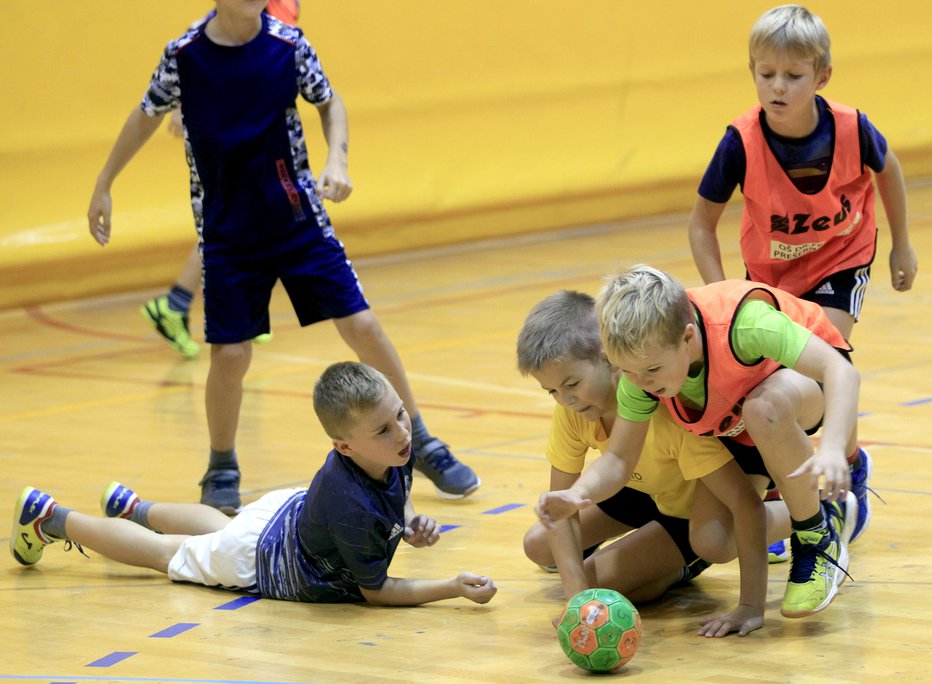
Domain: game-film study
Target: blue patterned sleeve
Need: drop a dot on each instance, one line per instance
(164, 93)
(312, 82)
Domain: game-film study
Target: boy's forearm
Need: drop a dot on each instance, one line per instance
(335, 125)
(137, 130)
(842, 387)
(892, 189)
(412, 592)
(751, 541)
(703, 240)
(607, 475)
(566, 547)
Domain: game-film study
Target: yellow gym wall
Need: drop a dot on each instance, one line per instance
(468, 120)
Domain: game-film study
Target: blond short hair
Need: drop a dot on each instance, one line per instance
(344, 391)
(562, 326)
(639, 308)
(792, 29)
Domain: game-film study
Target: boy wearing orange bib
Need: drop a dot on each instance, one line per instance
(806, 167)
(742, 361)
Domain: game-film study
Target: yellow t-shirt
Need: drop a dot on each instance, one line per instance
(671, 461)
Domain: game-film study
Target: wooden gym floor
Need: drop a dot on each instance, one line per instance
(90, 394)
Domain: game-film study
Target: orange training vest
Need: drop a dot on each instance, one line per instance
(728, 379)
(794, 241)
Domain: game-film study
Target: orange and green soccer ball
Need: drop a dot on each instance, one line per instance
(599, 630)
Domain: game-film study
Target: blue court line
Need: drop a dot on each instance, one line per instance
(174, 630)
(112, 659)
(503, 509)
(447, 528)
(238, 603)
(917, 402)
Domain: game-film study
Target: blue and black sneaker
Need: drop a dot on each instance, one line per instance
(860, 486)
(453, 479)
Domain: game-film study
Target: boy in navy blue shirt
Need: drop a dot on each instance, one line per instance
(330, 543)
(259, 215)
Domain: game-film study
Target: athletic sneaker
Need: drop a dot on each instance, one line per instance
(453, 480)
(778, 552)
(118, 501)
(28, 540)
(172, 325)
(220, 490)
(819, 560)
(860, 485)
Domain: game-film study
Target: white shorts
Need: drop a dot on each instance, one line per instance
(227, 557)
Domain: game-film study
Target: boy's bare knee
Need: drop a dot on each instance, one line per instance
(766, 412)
(713, 549)
(231, 357)
(537, 546)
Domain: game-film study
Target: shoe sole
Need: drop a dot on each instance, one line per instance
(450, 496)
(844, 535)
(867, 515)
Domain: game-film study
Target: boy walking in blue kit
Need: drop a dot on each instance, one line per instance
(259, 215)
(330, 543)
(806, 166)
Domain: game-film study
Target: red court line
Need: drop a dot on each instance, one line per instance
(37, 314)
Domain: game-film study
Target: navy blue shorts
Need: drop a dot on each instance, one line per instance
(318, 277)
(635, 509)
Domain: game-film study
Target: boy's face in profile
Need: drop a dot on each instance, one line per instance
(662, 369)
(786, 87)
(380, 437)
(586, 386)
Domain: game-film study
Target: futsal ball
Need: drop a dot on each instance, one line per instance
(599, 630)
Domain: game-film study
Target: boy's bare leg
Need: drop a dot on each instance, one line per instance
(776, 415)
(190, 275)
(363, 333)
(596, 526)
(842, 320)
(123, 541)
(224, 397)
(641, 565)
(188, 519)
(712, 529)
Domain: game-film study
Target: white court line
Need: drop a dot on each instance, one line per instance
(424, 377)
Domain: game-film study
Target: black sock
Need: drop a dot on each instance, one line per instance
(223, 460)
(814, 524)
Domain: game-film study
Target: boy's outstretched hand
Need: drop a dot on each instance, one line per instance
(476, 588)
(828, 472)
(422, 531)
(553, 507)
(743, 620)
